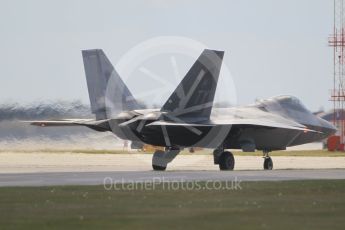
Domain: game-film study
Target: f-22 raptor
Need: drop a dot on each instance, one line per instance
(188, 119)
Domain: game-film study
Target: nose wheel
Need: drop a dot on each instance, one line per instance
(268, 162)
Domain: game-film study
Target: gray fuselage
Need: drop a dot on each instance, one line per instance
(271, 124)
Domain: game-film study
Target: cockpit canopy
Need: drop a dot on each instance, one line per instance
(292, 103)
(283, 103)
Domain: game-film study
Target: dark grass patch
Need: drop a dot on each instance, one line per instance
(258, 205)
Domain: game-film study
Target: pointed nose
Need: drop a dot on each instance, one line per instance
(327, 128)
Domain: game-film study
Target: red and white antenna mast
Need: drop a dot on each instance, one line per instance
(337, 42)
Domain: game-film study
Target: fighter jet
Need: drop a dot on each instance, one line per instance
(189, 119)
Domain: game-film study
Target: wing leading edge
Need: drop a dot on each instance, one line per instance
(243, 122)
(98, 125)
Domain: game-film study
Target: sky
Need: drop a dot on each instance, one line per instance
(272, 47)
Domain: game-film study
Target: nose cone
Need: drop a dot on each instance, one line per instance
(327, 128)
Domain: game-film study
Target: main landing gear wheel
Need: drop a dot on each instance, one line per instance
(161, 159)
(160, 164)
(226, 161)
(158, 168)
(268, 163)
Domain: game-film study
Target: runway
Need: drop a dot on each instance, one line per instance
(74, 162)
(44, 169)
(111, 177)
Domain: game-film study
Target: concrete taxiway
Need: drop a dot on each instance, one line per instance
(101, 178)
(80, 162)
(41, 169)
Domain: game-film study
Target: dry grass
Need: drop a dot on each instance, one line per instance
(304, 153)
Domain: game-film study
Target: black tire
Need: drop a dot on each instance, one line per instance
(158, 168)
(268, 164)
(226, 161)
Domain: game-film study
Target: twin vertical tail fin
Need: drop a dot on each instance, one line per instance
(193, 97)
(108, 93)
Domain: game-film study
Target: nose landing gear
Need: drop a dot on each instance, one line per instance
(268, 163)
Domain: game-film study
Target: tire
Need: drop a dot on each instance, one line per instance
(158, 168)
(268, 164)
(226, 161)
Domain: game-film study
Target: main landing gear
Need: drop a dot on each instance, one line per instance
(268, 163)
(161, 159)
(224, 159)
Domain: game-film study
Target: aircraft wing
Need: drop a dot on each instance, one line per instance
(63, 122)
(99, 125)
(244, 122)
